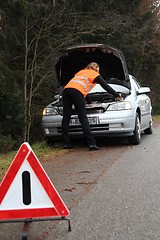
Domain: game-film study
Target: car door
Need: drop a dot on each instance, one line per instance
(144, 104)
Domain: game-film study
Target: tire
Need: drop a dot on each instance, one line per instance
(150, 129)
(135, 139)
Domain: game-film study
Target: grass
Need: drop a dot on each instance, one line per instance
(41, 150)
(156, 118)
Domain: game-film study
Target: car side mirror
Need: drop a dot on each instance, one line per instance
(143, 90)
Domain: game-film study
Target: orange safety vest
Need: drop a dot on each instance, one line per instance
(83, 81)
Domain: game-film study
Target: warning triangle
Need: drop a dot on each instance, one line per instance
(26, 190)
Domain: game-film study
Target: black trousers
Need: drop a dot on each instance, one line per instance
(73, 96)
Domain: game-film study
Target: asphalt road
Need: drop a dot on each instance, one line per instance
(112, 194)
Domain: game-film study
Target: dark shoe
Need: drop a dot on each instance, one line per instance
(93, 148)
(66, 146)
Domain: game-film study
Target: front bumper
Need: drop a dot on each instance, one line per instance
(110, 125)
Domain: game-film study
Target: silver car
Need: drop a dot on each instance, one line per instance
(107, 117)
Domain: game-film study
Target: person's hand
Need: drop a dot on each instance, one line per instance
(119, 97)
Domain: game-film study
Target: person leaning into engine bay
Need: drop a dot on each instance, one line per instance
(74, 93)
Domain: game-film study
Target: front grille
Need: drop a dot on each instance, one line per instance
(90, 109)
(78, 128)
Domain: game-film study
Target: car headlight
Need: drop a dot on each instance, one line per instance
(50, 111)
(118, 106)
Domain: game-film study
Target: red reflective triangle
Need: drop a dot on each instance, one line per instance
(11, 203)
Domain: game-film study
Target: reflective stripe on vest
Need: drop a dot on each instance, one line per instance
(85, 85)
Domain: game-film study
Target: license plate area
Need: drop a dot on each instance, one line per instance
(76, 122)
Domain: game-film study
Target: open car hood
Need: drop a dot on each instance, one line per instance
(70, 60)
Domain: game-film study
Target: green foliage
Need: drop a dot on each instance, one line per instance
(11, 74)
(6, 143)
(124, 6)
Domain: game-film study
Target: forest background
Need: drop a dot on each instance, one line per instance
(31, 33)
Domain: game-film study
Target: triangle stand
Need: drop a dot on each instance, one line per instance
(27, 222)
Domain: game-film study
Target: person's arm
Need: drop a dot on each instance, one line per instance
(106, 87)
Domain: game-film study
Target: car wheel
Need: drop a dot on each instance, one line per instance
(136, 137)
(150, 129)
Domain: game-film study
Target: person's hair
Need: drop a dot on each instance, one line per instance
(93, 65)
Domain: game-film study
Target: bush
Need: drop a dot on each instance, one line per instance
(6, 143)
